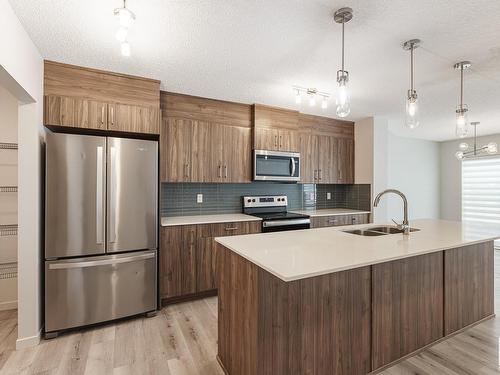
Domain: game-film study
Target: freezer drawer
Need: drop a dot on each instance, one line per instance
(96, 289)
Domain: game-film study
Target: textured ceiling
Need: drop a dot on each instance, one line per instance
(253, 51)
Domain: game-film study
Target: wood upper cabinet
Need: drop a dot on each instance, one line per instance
(133, 118)
(326, 147)
(87, 98)
(275, 129)
(345, 161)
(188, 255)
(75, 112)
(204, 140)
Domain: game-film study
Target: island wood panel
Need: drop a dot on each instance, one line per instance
(329, 324)
(318, 326)
(75, 112)
(407, 306)
(469, 285)
(93, 84)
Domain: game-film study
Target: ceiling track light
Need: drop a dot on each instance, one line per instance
(312, 94)
(462, 124)
(125, 19)
(486, 150)
(342, 16)
(412, 115)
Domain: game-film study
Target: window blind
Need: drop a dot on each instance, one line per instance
(481, 191)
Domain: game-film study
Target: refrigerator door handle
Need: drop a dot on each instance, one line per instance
(99, 196)
(94, 263)
(112, 195)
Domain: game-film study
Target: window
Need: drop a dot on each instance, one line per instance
(481, 191)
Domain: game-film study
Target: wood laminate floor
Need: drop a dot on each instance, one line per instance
(181, 340)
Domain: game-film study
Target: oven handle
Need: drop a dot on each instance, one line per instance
(282, 223)
(292, 160)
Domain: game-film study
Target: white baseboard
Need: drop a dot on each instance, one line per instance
(28, 342)
(10, 305)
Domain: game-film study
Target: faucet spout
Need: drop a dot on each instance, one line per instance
(405, 226)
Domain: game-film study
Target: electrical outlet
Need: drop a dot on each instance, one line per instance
(199, 198)
(328, 195)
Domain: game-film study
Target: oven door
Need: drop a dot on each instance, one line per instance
(282, 225)
(276, 166)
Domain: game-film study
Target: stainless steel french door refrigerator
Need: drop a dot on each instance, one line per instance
(101, 220)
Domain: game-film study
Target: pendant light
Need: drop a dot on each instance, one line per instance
(411, 119)
(464, 152)
(342, 16)
(125, 19)
(462, 123)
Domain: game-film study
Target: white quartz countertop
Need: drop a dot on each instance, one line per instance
(294, 255)
(330, 212)
(205, 219)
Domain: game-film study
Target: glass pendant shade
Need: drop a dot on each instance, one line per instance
(125, 17)
(492, 148)
(121, 34)
(125, 47)
(343, 101)
(412, 118)
(462, 122)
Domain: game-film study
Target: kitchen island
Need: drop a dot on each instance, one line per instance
(323, 301)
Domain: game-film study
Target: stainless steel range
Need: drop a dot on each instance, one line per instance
(273, 211)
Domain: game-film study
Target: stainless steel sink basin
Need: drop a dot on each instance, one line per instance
(379, 230)
(361, 232)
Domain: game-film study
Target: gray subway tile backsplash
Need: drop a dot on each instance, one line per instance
(179, 199)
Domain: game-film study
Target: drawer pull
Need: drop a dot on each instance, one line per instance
(231, 228)
(332, 221)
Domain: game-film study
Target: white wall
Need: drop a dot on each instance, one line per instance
(388, 161)
(414, 169)
(451, 176)
(22, 73)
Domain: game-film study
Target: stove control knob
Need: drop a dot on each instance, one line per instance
(249, 200)
(253, 200)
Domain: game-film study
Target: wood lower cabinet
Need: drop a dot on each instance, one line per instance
(188, 256)
(407, 306)
(469, 285)
(338, 220)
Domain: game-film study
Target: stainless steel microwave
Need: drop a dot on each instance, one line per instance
(276, 166)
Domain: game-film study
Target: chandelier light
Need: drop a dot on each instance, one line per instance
(466, 152)
(462, 123)
(342, 16)
(125, 19)
(412, 115)
(312, 95)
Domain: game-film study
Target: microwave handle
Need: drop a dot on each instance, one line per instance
(292, 160)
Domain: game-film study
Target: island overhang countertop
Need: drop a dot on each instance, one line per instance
(295, 255)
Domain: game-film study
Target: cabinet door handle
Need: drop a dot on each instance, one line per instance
(112, 115)
(230, 228)
(102, 115)
(186, 170)
(315, 174)
(332, 221)
(219, 172)
(225, 171)
(319, 174)
(281, 143)
(340, 175)
(276, 141)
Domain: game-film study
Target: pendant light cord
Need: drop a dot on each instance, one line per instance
(461, 87)
(343, 23)
(411, 68)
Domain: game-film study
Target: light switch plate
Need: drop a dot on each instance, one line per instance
(328, 195)
(199, 198)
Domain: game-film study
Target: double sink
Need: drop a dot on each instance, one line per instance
(379, 230)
